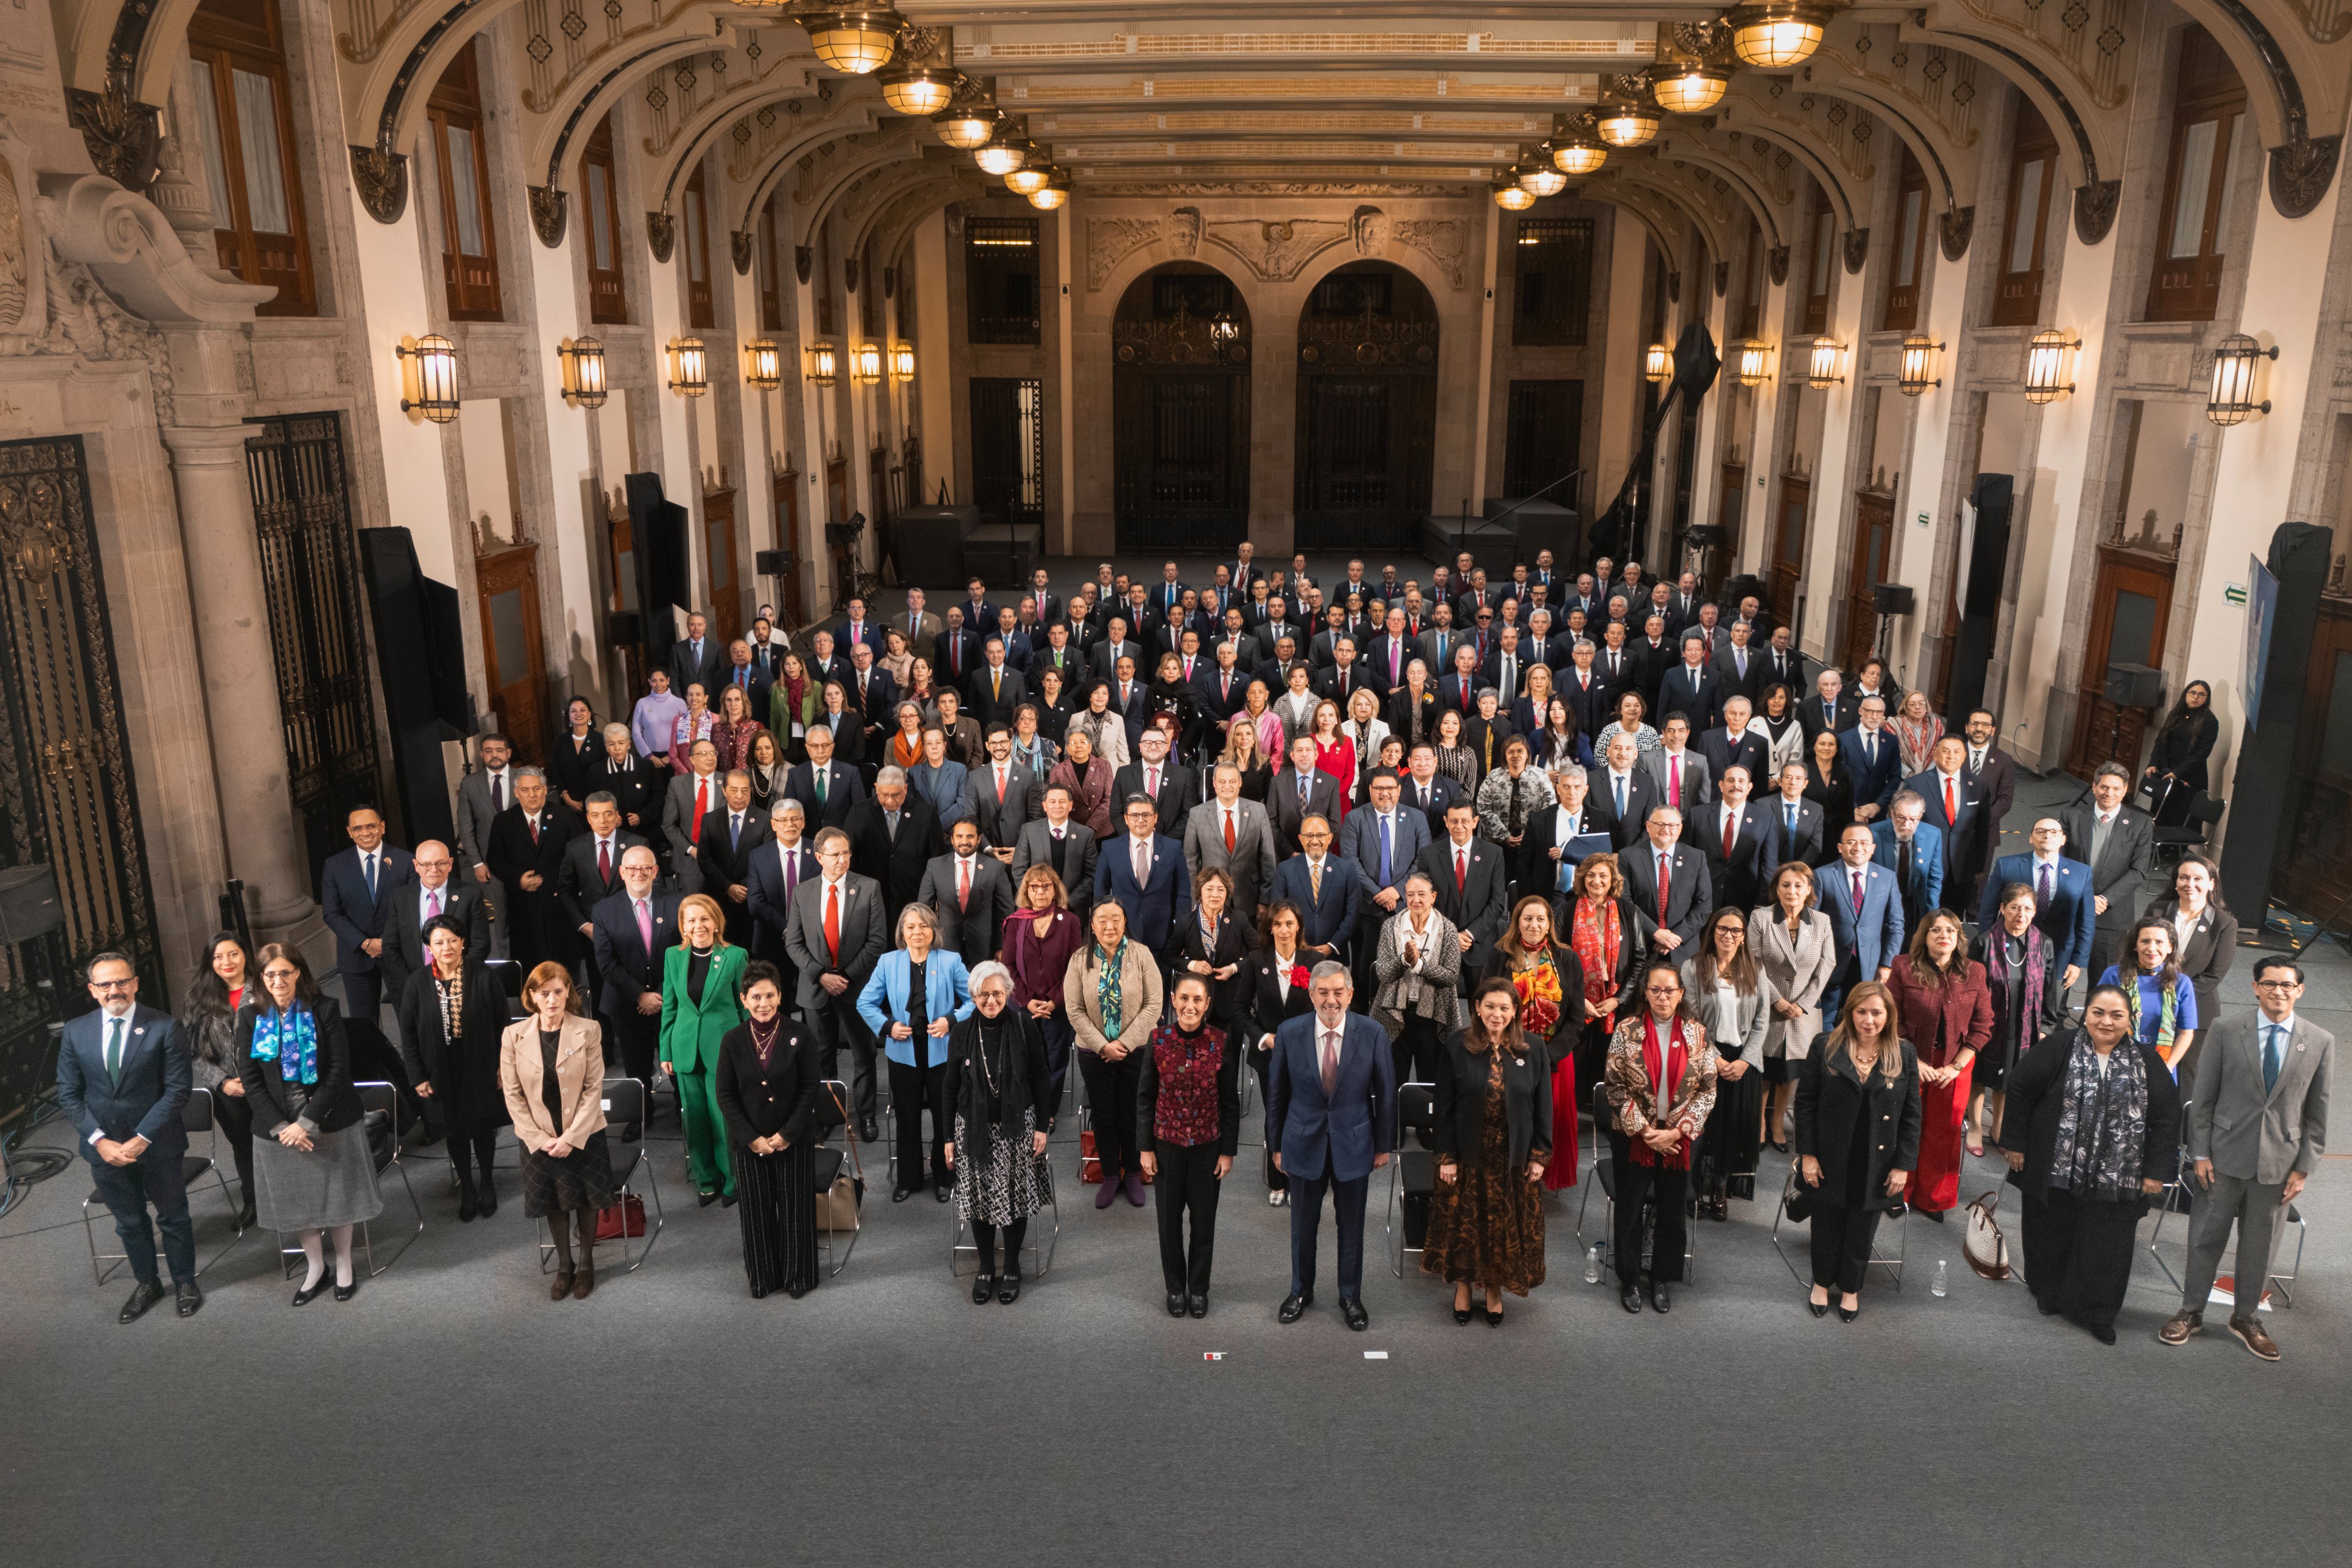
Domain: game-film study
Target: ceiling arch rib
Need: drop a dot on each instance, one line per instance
(1688, 199)
(1660, 213)
(824, 185)
(848, 120)
(1694, 146)
(1748, 109)
(2295, 84)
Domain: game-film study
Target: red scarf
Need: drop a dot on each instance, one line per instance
(1677, 1060)
(1596, 934)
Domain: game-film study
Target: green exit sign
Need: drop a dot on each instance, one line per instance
(2233, 593)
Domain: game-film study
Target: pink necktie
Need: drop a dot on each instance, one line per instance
(645, 925)
(1330, 1060)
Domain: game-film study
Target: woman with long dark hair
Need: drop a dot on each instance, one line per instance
(1830, 785)
(1548, 979)
(1277, 975)
(2020, 967)
(1776, 713)
(1086, 776)
(2177, 764)
(767, 1086)
(2160, 999)
(211, 1013)
(1857, 1141)
(1494, 1128)
(1944, 1009)
(1734, 1000)
(1796, 950)
(574, 756)
(1661, 1082)
(1606, 938)
(1188, 1115)
(2204, 942)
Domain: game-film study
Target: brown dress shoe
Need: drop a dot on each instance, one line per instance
(585, 1283)
(2180, 1327)
(563, 1286)
(2254, 1338)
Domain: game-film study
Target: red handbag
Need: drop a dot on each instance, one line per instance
(626, 1217)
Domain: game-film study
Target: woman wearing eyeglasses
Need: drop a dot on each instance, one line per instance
(1661, 1082)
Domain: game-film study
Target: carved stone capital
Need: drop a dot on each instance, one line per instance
(381, 180)
(1960, 226)
(2095, 209)
(549, 209)
(740, 242)
(1776, 262)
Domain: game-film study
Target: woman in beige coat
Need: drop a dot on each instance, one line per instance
(1792, 944)
(551, 1068)
(1111, 995)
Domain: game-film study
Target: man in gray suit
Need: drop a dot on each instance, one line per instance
(2257, 1123)
(694, 796)
(1064, 845)
(1248, 858)
(834, 935)
(481, 796)
(1001, 796)
(2117, 842)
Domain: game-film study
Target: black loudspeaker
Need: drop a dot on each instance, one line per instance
(773, 562)
(1983, 574)
(1703, 536)
(1891, 598)
(2263, 780)
(657, 530)
(420, 652)
(1747, 585)
(29, 905)
(2134, 685)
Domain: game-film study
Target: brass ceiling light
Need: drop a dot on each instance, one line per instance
(966, 127)
(1036, 170)
(1538, 178)
(1690, 88)
(918, 89)
(1628, 123)
(1512, 196)
(1053, 196)
(1776, 33)
(1576, 151)
(1006, 150)
(857, 42)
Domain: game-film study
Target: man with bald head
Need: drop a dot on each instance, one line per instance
(630, 931)
(417, 903)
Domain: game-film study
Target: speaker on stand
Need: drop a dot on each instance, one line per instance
(1891, 599)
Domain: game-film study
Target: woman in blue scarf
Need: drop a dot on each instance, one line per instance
(310, 1157)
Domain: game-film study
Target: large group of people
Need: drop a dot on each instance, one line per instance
(1469, 863)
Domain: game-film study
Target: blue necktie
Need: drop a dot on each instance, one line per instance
(1385, 824)
(1788, 840)
(1621, 800)
(2271, 1033)
(367, 864)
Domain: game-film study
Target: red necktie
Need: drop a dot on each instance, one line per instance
(1461, 873)
(1229, 830)
(701, 804)
(1951, 802)
(533, 823)
(963, 882)
(1665, 885)
(833, 921)
(1858, 893)
(1730, 832)
(604, 861)
(1000, 786)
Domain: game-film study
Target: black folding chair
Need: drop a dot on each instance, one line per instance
(625, 1140)
(195, 1117)
(1413, 1175)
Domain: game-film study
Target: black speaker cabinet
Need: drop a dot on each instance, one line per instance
(773, 562)
(29, 905)
(2134, 685)
(420, 652)
(1891, 598)
(657, 534)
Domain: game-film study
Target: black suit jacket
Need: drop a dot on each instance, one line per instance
(1701, 701)
(759, 1102)
(895, 864)
(404, 934)
(844, 792)
(995, 707)
(970, 931)
(1283, 808)
(686, 669)
(627, 969)
(1690, 893)
(1178, 794)
(1267, 1007)
(539, 931)
(1739, 882)
(1725, 751)
(2118, 875)
(1812, 720)
(1482, 905)
(1641, 794)
(770, 911)
(729, 864)
(578, 886)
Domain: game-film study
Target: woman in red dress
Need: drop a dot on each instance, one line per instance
(1549, 981)
(1945, 1011)
(1334, 753)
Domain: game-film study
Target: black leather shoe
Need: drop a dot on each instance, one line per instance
(1008, 1289)
(1819, 1308)
(1494, 1317)
(901, 1194)
(1179, 1303)
(982, 1287)
(1629, 1298)
(1935, 1214)
(1847, 1314)
(2104, 1333)
(1461, 1314)
(1293, 1309)
(726, 1200)
(248, 1217)
(2048, 1309)
(1661, 1298)
(1199, 1306)
(345, 1292)
(470, 1205)
(489, 1200)
(942, 1191)
(192, 1297)
(1353, 1311)
(304, 1298)
(868, 1132)
(144, 1295)
(705, 1199)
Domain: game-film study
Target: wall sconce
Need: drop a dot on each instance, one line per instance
(902, 361)
(763, 364)
(689, 367)
(582, 361)
(865, 364)
(1918, 372)
(428, 379)
(1658, 365)
(1755, 362)
(820, 364)
(2047, 362)
(1823, 370)
(2235, 362)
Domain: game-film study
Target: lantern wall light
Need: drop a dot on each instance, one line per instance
(1824, 368)
(1755, 362)
(2048, 360)
(582, 361)
(763, 364)
(902, 361)
(865, 364)
(2236, 362)
(820, 364)
(1658, 365)
(1918, 371)
(428, 379)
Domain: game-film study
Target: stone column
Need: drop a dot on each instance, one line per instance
(261, 836)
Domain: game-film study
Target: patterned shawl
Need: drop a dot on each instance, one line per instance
(1107, 1000)
(1596, 937)
(1997, 971)
(2168, 999)
(2102, 1124)
(292, 1039)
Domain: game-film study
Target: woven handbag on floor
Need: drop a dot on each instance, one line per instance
(1984, 1246)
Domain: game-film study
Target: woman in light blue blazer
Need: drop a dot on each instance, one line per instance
(914, 998)
(940, 778)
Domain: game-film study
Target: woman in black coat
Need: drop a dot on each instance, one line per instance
(2210, 949)
(1548, 980)
(2021, 974)
(452, 1019)
(2177, 763)
(1001, 1097)
(1858, 1120)
(1215, 945)
(767, 1085)
(635, 784)
(1275, 981)
(1829, 786)
(2093, 1132)
(1493, 1141)
(313, 1171)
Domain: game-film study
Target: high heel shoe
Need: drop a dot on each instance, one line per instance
(1819, 1308)
(1494, 1317)
(304, 1296)
(345, 1292)
(1462, 1314)
(1847, 1314)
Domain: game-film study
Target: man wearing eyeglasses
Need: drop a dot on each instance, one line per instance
(123, 1077)
(2257, 1120)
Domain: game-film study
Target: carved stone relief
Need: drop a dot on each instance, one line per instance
(1111, 241)
(1446, 241)
(661, 233)
(549, 210)
(1960, 226)
(1274, 251)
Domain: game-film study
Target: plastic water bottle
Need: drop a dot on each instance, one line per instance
(1592, 1264)
(1938, 1288)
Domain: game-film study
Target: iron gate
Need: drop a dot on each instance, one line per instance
(67, 792)
(1368, 411)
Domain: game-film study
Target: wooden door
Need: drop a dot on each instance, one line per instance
(727, 618)
(1788, 567)
(788, 540)
(2131, 607)
(507, 586)
(1874, 545)
(2314, 864)
(1727, 509)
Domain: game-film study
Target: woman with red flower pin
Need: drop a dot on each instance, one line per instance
(1548, 980)
(1277, 994)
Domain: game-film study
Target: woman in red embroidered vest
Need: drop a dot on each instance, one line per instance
(1661, 1085)
(1495, 1125)
(1857, 1141)
(1188, 1120)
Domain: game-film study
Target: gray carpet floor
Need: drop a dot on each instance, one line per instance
(451, 1413)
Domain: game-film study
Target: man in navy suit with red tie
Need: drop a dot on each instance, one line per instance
(1331, 1122)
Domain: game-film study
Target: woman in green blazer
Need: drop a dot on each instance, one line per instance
(702, 977)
